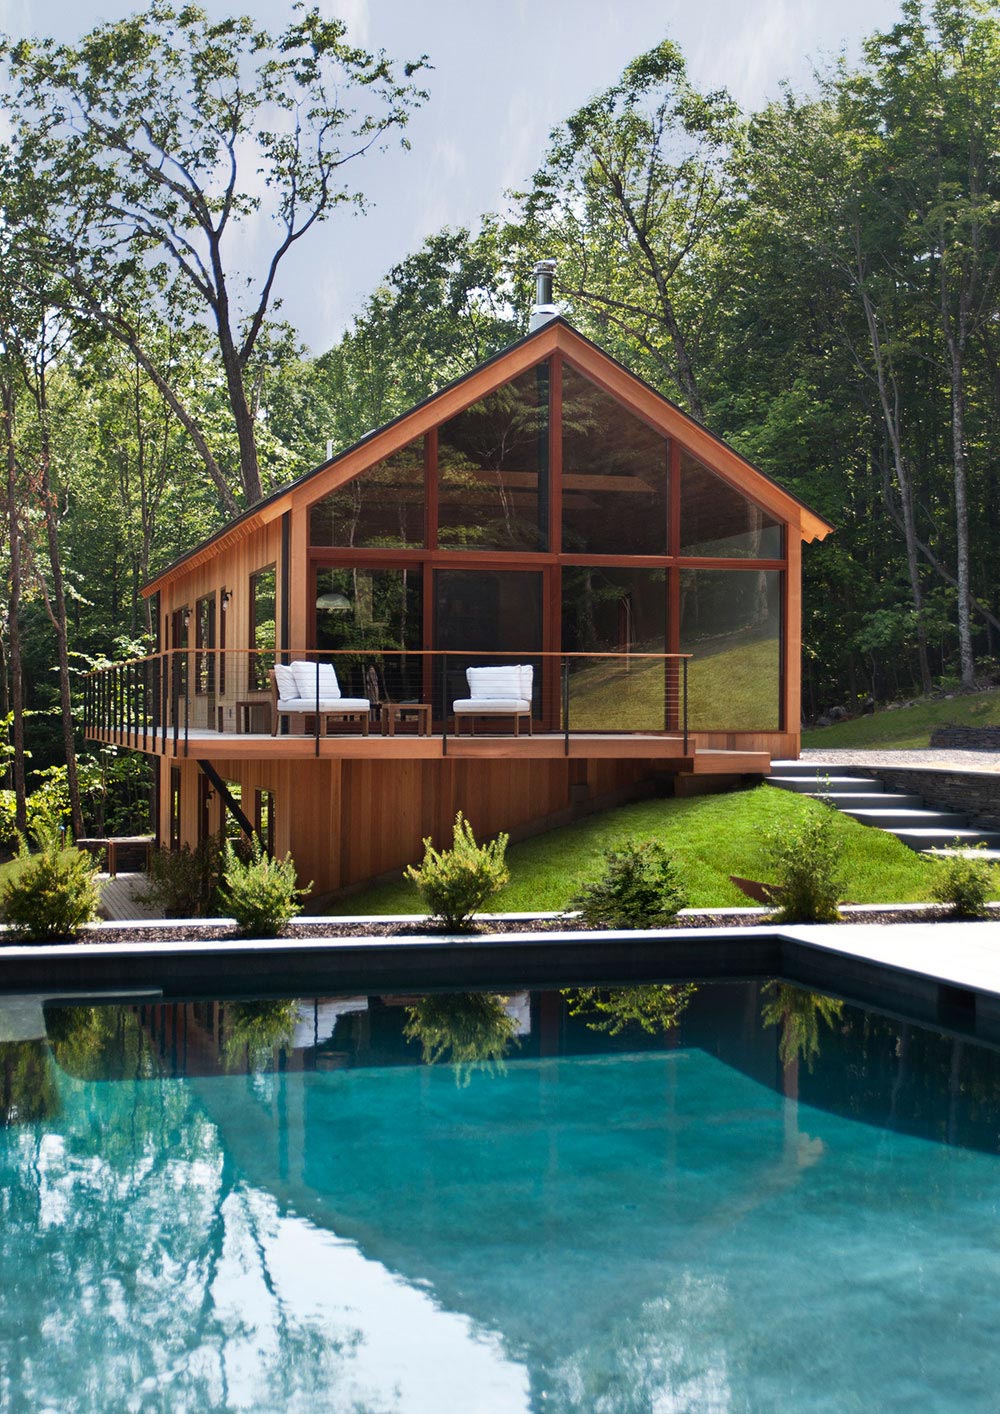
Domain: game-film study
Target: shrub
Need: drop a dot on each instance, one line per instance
(965, 882)
(807, 880)
(260, 892)
(638, 889)
(454, 883)
(184, 883)
(49, 895)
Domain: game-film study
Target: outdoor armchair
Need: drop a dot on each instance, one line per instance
(298, 689)
(496, 692)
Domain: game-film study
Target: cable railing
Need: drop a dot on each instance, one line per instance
(160, 702)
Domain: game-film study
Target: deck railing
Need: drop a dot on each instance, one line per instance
(164, 699)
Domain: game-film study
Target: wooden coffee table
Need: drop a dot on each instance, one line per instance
(394, 712)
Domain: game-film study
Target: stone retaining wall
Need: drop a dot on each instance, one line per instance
(967, 738)
(975, 793)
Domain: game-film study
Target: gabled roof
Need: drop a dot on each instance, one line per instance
(600, 367)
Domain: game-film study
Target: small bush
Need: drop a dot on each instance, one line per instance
(184, 883)
(49, 895)
(454, 883)
(805, 864)
(259, 892)
(638, 889)
(966, 883)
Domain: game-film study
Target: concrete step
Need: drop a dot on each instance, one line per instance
(810, 785)
(811, 768)
(922, 839)
(874, 800)
(893, 818)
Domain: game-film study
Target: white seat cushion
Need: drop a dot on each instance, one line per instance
(306, 679)
(326, 704)
(487, 705)
(285, 680)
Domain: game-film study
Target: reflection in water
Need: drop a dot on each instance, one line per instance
(798, 1014)
(279, 1205)
(655, 1007)
(468, 1029)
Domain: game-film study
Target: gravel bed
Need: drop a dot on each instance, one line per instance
(946, 757)
(370, 928)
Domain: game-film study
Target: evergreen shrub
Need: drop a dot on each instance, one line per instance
(455, 883)
(639, 888)
(261, 893)
(184, 883)
(966, 883)
(49, 895)
(805, 865)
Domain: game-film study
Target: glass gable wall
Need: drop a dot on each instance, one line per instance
(489, 481)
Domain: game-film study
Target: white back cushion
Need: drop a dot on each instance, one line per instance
(512, 682)
(285, 679)
(527, 674)
(305, 680)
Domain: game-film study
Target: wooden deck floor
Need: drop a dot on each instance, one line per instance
(203, 742)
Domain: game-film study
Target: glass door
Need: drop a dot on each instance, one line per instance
(484, 617)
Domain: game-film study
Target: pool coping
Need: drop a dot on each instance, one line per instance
(941, 972)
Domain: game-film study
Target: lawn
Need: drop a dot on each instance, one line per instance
(710, 838)
(909, 726)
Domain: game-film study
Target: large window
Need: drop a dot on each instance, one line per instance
(384, 506)
(614, 478)
(607, 610)
(485, 617)
(262, 625)
(718, 522)
(731, 622)
(205, 640)
(493, 463)
(379, 613)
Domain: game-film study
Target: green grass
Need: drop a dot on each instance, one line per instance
(909, 726)
(710, 838)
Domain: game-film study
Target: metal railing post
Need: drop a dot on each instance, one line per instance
(444, 705)
(565, 704)
(175, 695)
(187, 699)
(684, 675)
(317, 706)
(166, 670)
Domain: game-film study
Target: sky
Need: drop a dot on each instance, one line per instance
(505, 73)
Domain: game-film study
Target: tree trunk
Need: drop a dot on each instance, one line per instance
(14, 615)
(962, 571)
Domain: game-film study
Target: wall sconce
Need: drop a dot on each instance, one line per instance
(226, 596)
(186, 618)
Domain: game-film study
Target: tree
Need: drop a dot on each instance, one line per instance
(632, 188)
(162, 139)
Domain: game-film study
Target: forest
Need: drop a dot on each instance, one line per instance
(818, 281)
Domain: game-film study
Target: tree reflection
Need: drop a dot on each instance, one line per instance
(28, 1089)
(655, 1007)
(255, 1030)
(799, 1014)
(469, 1030)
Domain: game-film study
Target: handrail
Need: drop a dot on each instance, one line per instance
(375, 650)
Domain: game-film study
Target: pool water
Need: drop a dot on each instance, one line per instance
(739, 1196)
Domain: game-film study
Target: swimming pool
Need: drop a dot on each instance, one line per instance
(739, 1195)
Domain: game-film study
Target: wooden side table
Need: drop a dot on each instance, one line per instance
(245, 707)
(395, 712)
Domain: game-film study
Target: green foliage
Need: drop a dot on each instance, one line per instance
(469, 1030)
(259, 892)
(455, 883)
(799, 1014)
(966, 882)
(657, 1006)
(254, 1030)
(639, 888)
(49, 895)
(184, 883)
(806, 868)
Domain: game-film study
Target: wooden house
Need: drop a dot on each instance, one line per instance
(548, 510)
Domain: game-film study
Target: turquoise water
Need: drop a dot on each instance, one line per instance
(779, 1203)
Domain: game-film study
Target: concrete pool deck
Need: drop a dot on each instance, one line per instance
(941, 973)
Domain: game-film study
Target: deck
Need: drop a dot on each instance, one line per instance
(206, 743)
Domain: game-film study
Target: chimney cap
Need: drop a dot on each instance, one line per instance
(543, 309)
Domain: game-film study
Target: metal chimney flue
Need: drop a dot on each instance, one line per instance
(543, 309)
